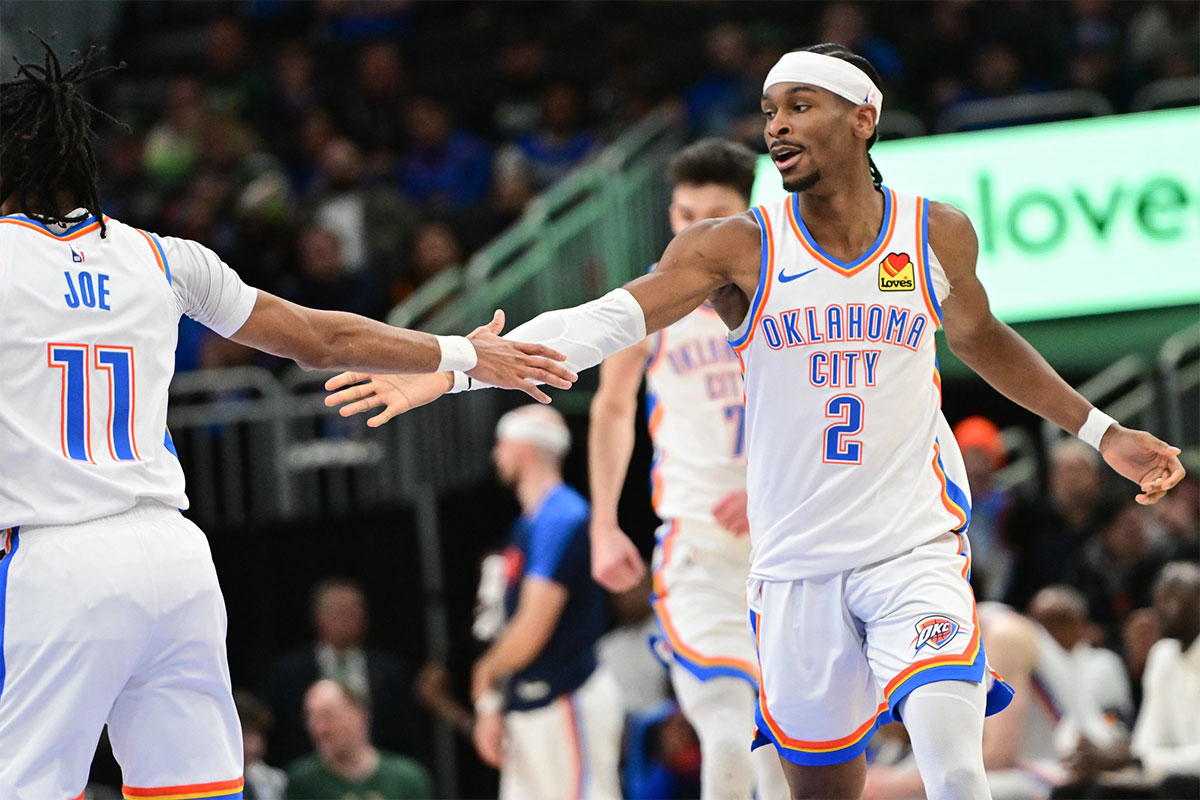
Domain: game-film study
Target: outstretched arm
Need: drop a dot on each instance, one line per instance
(1006, 361)
(705, 257)
(616, 563)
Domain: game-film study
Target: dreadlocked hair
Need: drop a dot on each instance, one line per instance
(848, 55)
(45, 141)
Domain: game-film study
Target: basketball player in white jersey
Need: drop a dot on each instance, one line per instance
(857, 498)
(696, 419)
(110, 610)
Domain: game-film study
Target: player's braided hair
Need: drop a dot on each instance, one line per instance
(45, 140)
(846, 54)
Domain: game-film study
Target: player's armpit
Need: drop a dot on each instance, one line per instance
(703, 258)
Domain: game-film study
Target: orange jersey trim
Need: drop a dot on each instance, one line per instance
(755, 313)
(923, 268)
(192, 791)
(65, 237)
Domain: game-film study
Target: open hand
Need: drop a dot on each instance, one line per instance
(515, 365)
(488, 737)
(360, 392)
(1144, 459)
(616, 563)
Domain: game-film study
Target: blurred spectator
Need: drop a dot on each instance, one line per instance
(1047, 534)
(1166, 737)
(326, 281)
(1062, 611)
(1095, 45)
(373, 222)
(434, 691)
(124, 185)
(626, 652)
(316, 131)
(294, 94)
(373, 113)
(339, 611)
(1024, 745)
(1162, 38)
(1116, 569)
(173, 144)
(346, 764)
(233, 88)
(519, 77)
(662, 755)
(716, 102)
(1179, 515)
(263, 782)
(443, 167)
(847, 23)
(556, 146)
(983, 453)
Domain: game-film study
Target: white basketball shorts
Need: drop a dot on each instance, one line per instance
(838, 652)
(568, 749)
(700, 600)
(120, 621)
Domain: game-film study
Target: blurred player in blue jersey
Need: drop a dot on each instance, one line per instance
(110, 612)
(695, 410)
(561, 733)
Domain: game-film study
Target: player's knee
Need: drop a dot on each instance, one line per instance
(957, 782)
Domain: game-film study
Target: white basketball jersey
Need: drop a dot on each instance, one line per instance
(87, 350)
(696, 416)
(850, 458)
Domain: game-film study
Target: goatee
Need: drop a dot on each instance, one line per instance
(802, 183)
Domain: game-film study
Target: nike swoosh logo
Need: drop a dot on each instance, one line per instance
(785, 278)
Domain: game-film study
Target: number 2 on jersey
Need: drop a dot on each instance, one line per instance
(73, 361)
(847, 409)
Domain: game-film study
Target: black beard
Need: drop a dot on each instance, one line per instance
(802, 183)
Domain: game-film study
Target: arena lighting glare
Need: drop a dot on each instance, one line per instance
(1074, 218)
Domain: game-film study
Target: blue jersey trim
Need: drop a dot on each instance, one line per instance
(883, 230)
(14, 541)
(76, 226)
(161, 254)
(957, 495)
(764, 269)
(937, 307)
(169, 443)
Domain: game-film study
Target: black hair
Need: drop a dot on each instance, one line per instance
(846, 54)
(45, 143)
(713, 160)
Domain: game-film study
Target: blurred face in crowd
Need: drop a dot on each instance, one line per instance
(342, 164)
(428, 122)
(340, 617)
(810, 130)
(691, 202)
(379, 71)
(1177, 602)
(561, 108)
(320, 255)
(1074, 474)
(1062, 613)
(435, 248)
(509, 456)
(336, 724)
(226, 46)
(1124, 538)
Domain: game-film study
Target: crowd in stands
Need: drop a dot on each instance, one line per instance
(342, 153)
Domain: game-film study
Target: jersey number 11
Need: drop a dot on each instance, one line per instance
(75, 363)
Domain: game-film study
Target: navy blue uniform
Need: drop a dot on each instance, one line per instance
(552, 544)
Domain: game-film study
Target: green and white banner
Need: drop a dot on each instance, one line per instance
(1073, 218)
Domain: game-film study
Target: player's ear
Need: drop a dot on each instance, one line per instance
(865, 120)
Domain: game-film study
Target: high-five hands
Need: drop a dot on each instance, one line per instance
(501, 362)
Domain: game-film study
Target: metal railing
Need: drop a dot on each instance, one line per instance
(1023, 109)
(1179, 366)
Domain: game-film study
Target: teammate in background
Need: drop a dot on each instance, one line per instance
(561, 735)
(696, 415)
(858, 507)
(109, 601)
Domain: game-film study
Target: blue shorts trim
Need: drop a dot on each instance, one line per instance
(806, 758)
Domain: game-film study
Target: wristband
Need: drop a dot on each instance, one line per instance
(489, 703)
(1093, 429)
(457, 353)
(462, 383)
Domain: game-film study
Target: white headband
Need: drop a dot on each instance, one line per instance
(838, 76)
(546, 431)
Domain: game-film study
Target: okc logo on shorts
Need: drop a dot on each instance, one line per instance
(934, 631)
(896, 273)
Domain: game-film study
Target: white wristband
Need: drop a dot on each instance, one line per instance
(462, 383)
(489, 703)
(1094, 427)
(457, 353)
